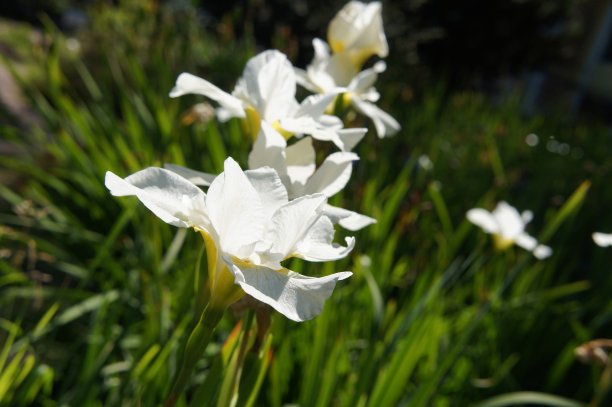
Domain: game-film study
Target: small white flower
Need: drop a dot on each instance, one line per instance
(357, 29)
(508, 227)
(266, 91)
(295, 165)
(602, 239)
(249, 227)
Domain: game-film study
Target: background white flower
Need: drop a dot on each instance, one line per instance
(253, 227)
(508, 227)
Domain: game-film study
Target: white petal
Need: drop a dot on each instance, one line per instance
(527, 216)
(602, 239)
(268, 81)
(269, 150)
(169, 196)
(317, 244)
(384, 123)
(366, 78)
(193, 176)
(484, 219)
(291, 223)
(188, 83)
(510, 222)
(350, 137)
(314, 105)
(541, 252)
(300, 161)
(298, 297)
(332, 175)
(358, 26)
(235, 210)
(270, 188)
(347, 219)
(302, 79)
(526, 241)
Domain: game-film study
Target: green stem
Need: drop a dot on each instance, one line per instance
(196, 344)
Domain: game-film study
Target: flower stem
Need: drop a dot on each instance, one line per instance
(196, 344)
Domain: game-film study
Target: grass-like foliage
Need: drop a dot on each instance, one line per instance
(97, 296)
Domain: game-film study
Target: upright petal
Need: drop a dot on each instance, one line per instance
(188, 83)
(366, 78)
(169, 196)
(300, 162)
(510, 222)
(270, 188)
(236, 210)
(269, 150)
(298, 297)
(268, 81)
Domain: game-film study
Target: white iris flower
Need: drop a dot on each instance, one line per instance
(266, 91)
(249, 227)
(507, 226)
(295, 165)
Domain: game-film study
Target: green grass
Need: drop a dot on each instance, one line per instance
(98, 295)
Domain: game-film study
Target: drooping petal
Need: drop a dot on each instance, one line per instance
(484, 219)
(332, 175)
(298, 297)
(349, 138)
(270, 188)
(188, 83)
(317, 244)
(169, 196)
(291, 223)
(526, 241)
(193, 176)
(542, 251)
(236, 210)
(347, 219)
(314, 105)
(269, 150)
(384, 123)
(366, 78)
(602, 239)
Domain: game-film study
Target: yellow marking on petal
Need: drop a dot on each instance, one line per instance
(286, 134)
(346, 99)
(502, 243)
(336, 45)
(252, 122)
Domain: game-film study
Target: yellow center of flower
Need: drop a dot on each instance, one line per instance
(251, 122)
(223, 290)
(286, 134)
(502, 243)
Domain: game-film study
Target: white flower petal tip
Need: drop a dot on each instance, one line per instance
(298, 297)
(602, 239)
(196, 177)
(542, 252)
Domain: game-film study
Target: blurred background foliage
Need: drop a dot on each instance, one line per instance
(97, 295)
